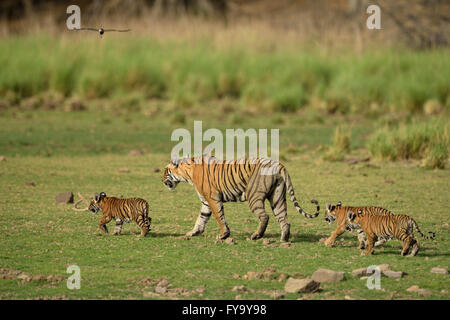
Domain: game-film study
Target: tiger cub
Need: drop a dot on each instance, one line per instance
(339, 213)
(400, 227)
(121, 210)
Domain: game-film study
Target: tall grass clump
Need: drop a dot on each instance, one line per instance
(427, 141)
(340, 146)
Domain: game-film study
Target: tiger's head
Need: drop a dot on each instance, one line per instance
(354, 220)
(331, 212)
(95, 204)
(176, 172)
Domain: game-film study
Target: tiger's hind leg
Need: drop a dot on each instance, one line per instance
(279, 207)
(147, 219)
(257, 207)
(415, 248)
(118, 228)
(142, 224)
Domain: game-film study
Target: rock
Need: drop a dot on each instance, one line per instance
(163, 283)
(277, 295)
(236, 276)
(160, 290)
(359, 272)
(325, 275)
(384, 267)
(38, 278)
(424, 292)
(156, 170)
(239, 289)
(24, 277)
(200, 290)
(282, 277)
(444, 291)
(65, 197)
(136, 152)
(124, 170)
(238, 297)
(149, 294)
(439, 270)
(301, 285)
(252, 275)
(230, 241)
(30, 184)
(394, 274)
(348, 298)
(352, 161)
(432, 107)
(2, 158)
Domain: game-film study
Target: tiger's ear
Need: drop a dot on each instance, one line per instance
(96, 197)
(102, 195)
(360, 211)
(339, 204)
(329, 206)
(351, 215)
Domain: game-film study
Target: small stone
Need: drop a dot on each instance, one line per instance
(236, 276)
(124, 170)
(325, 275)
(38, 278)
(277, 295)
(161, 290)
(238, 297)
(424, 292)
(156, 170)
(239, 289)
(413, 289)
(393, 274)
(2, 158)
(301, 285)
(252, 275)
(200, 290)
(444, 291)
(352, 161)
(24, 277)
(348, 298)
(135, 152)
(163, 283)
(30, 184)
(432, 107)
(149, 294)
(64, 198)
(439, 270)
(359, 272)
(389, 181)
(230, 241)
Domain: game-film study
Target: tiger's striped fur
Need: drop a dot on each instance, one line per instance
(400, 227)
(252, 180)
(339, 213)
(121, 210)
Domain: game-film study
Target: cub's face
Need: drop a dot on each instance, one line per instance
(331, 212)
(354, 220)
(94, 207)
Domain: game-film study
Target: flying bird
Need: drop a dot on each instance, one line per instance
(102, 31)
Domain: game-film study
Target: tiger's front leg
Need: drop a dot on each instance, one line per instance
(202, 219)
(330, 241)
(218, 212)
(102, 223)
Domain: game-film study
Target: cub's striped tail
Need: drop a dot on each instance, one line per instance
(432, 234)
(290, 190)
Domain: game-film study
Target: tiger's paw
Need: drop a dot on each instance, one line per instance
(223, 236)
(255, 236)
(329, 244)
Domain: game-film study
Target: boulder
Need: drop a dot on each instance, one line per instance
(439, 270)
(301, 285)
(65, 197)
(325, 275)
(361, 272)
(393, 274)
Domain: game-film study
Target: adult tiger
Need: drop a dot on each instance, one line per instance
(339, 213)
(121, 210)
(252, 180)
(400, 227)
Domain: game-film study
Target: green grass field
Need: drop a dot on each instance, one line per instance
(83, 151)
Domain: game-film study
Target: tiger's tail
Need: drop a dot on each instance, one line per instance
(290, 190)
(432, 234)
